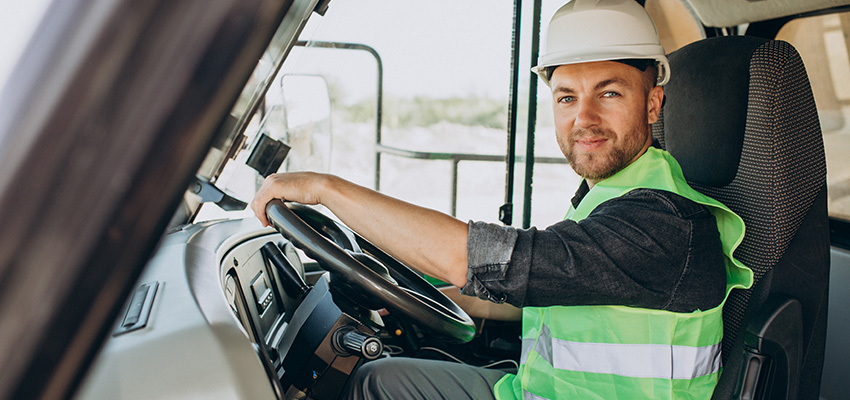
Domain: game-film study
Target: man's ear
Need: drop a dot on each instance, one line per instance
(654, 101)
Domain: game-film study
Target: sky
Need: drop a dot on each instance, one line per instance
(430, 48)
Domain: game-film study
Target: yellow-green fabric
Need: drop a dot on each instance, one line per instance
(617, 352)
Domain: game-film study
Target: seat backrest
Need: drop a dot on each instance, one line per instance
(740, 118)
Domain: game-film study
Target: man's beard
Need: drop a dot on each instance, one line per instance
(596, 166)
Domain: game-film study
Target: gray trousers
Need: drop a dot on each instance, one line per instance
(413, 378)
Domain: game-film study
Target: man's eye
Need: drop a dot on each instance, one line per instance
(566, 99)
(611, 94)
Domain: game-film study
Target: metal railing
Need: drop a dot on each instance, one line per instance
(381, 149)
(455, 159)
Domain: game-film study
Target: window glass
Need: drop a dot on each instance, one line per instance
(441, 72)
(823, 45)
(446, 69)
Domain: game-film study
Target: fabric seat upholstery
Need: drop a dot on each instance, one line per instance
(740, 118)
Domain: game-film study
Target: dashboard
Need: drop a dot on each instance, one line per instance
(223, 311)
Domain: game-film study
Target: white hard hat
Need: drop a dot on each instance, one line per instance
(601, 30)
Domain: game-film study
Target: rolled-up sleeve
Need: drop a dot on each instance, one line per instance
(489, 250)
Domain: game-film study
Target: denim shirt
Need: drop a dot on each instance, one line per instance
(648, 248)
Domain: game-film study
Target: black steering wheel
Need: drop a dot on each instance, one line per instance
(406, 293)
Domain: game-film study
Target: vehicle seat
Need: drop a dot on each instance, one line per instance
(741, 120)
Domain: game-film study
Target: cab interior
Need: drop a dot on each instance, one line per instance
(132, 137)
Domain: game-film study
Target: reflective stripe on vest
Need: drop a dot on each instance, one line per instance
(637, 360)
(603, 352)
(634, 360)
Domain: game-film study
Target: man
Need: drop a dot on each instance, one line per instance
(620, 300)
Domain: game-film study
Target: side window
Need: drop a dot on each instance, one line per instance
(444, 74)
(823, 45)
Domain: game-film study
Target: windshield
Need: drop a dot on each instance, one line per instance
(375, 94)
(226, 158)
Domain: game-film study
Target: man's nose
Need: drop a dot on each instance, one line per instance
(588, 114)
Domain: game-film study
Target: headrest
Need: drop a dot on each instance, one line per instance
(706, 107)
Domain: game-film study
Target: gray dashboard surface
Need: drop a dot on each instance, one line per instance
(192, 346)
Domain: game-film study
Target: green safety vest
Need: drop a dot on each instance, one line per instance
(618, 352)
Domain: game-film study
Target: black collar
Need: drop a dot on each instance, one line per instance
(582, 190)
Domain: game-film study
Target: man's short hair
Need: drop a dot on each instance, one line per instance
(646, 65)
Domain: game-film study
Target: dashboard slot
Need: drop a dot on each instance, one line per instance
(139, 309)
(262, 293)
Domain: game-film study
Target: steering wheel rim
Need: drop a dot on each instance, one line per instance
(436, 311)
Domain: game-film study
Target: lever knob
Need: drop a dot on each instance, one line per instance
(350, 341)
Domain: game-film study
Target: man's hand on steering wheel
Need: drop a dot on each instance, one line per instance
(427, 240)
(299, 187)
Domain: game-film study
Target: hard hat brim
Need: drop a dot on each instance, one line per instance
(565, 59)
